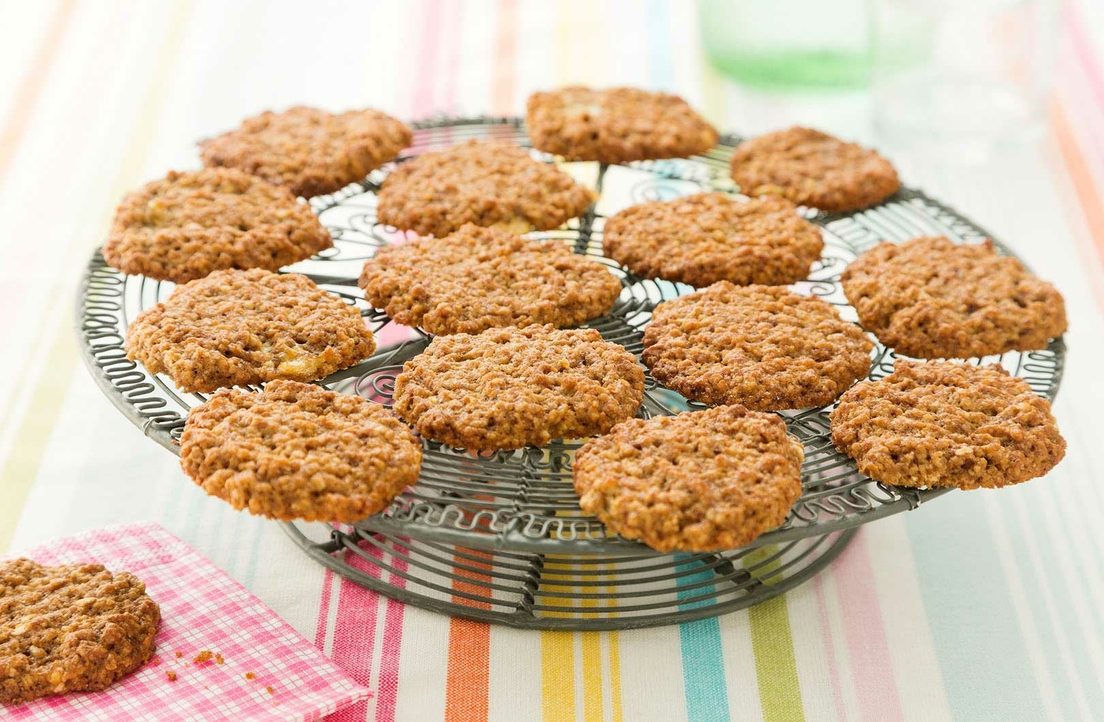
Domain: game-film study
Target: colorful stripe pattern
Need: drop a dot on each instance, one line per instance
(981, 606)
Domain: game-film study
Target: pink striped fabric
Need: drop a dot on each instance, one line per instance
(201, 609)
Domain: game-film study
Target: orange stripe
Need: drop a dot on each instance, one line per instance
(1087, 195)
(469, 654)
(26, 98)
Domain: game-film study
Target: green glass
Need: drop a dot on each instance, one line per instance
(788, 43)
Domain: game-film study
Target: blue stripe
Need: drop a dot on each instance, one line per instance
(986, 669)
(702, 656)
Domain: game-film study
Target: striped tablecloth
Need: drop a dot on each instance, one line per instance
(979, 606)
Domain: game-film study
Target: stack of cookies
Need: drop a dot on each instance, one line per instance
(506, 368)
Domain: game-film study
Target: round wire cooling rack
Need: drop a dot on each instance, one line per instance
(499, 537)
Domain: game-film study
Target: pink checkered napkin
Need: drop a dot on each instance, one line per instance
(201, 609)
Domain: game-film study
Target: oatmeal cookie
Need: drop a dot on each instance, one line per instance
(700, 481)
(70, 628)
(616, 125)
(482, 182)
(945, 424)
(813, 169)
(765, 347)
(190, 224)
(235, 328)
(480, 278)
(709, 237)
(513, 387)
(931, 298)
(299, 451)
(309, 151)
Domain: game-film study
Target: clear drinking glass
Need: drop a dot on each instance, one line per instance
(787, 43)
(961, 77)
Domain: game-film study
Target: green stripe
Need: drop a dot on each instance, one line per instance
(775, 663)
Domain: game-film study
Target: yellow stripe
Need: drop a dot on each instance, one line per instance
(557, 659)
(21, 466)
(615, 676)
(614, 659)
(592, 677)
(592, 667)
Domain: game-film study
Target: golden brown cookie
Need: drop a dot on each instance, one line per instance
(944, 424)
(813, 169)
(310, 151)
(70, 628)
(235, 328)
(299, 451)
(709, 237)
(616, 125)
(480, 278)
(765, 347)
(483, 182)
(700, 481)
(931, 298)
(190, 224)
(513, 387)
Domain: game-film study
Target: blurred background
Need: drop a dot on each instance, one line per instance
(995, 106)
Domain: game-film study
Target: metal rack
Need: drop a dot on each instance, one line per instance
(499, 536)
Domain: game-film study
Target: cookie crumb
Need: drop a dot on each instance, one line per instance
(179, 654)
(269, 690)
(204, 655)
(171, 675)
(219, 659)
(155, 661)
(250, 675)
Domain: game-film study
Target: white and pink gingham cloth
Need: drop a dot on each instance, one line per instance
(201, 609)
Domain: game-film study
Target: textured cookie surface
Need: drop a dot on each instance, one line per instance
(513, 387)
(813, 169)
(299, 451)
(235, 328)
(70, 628)
(709, 237)
(480, 278)
(482, 182)
(616, 125)
(765, 347)
(699, 481)
(945, 424)
(187, 225)
(309, 151)
(931, 298)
